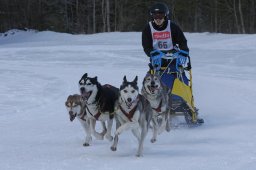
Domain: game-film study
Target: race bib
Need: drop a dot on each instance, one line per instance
(162, 40)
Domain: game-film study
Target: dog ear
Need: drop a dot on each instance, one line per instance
(85, 75)
(135, 80)
(70, 96)
(144, 79)
(94, 80)
(124, 79)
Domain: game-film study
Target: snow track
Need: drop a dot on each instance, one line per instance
(38, 70)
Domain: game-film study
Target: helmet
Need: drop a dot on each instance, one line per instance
(159, 8)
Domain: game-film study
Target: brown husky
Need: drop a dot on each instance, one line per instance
(76, 109)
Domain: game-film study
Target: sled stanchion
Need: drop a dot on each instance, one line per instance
(194, 116)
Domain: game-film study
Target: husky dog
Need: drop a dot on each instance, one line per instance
(76, 109)
(133, 112)
(157, 94)
(100, 103)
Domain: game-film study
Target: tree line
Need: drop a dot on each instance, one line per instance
(93, 16)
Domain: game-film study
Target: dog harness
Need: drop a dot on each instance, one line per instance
(82, 113)
(83, 116)
(130, 114)
(158, 109)
(96, 116)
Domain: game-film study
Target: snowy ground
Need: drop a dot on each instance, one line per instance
(39, 70)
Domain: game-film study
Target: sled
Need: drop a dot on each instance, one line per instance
(177, 76)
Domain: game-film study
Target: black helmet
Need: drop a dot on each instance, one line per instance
(159, 8)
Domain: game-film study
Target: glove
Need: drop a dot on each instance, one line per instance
(181, 59)
(156, 59)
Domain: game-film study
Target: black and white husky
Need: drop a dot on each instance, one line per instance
(157, 94)
(133, 112)
(76, 109)
(99, 103)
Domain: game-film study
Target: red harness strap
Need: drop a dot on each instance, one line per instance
(83, 116)
(96, 116)
(130, 114)
(158, 109)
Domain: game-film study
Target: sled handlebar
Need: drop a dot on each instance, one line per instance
(169, 56)
(182, 59)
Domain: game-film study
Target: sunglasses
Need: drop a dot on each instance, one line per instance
(158, 15)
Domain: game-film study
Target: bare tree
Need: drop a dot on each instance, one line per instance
(103, 12)
(241, 16)
(91, 16)
(115, 14)
(108, 15)
(252, 16)
(94, 16)
(215, 16)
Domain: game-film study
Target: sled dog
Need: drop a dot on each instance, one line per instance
(76, 109)
(99, 103)
(133, 112)
(157, 95)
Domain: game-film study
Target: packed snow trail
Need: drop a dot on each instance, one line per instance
(38, 70)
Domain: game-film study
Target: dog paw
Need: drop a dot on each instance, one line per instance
(86, 144)
(139, 155)
(113, 148)
(153, 140)
(168, 128)
(88, 139)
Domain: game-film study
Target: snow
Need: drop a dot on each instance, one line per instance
(38, 70)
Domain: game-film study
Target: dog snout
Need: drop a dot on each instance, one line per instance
(82, 89)
(153, 83)
(72, 116)
(129, 99)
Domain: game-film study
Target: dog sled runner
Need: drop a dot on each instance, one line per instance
(177, 76)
